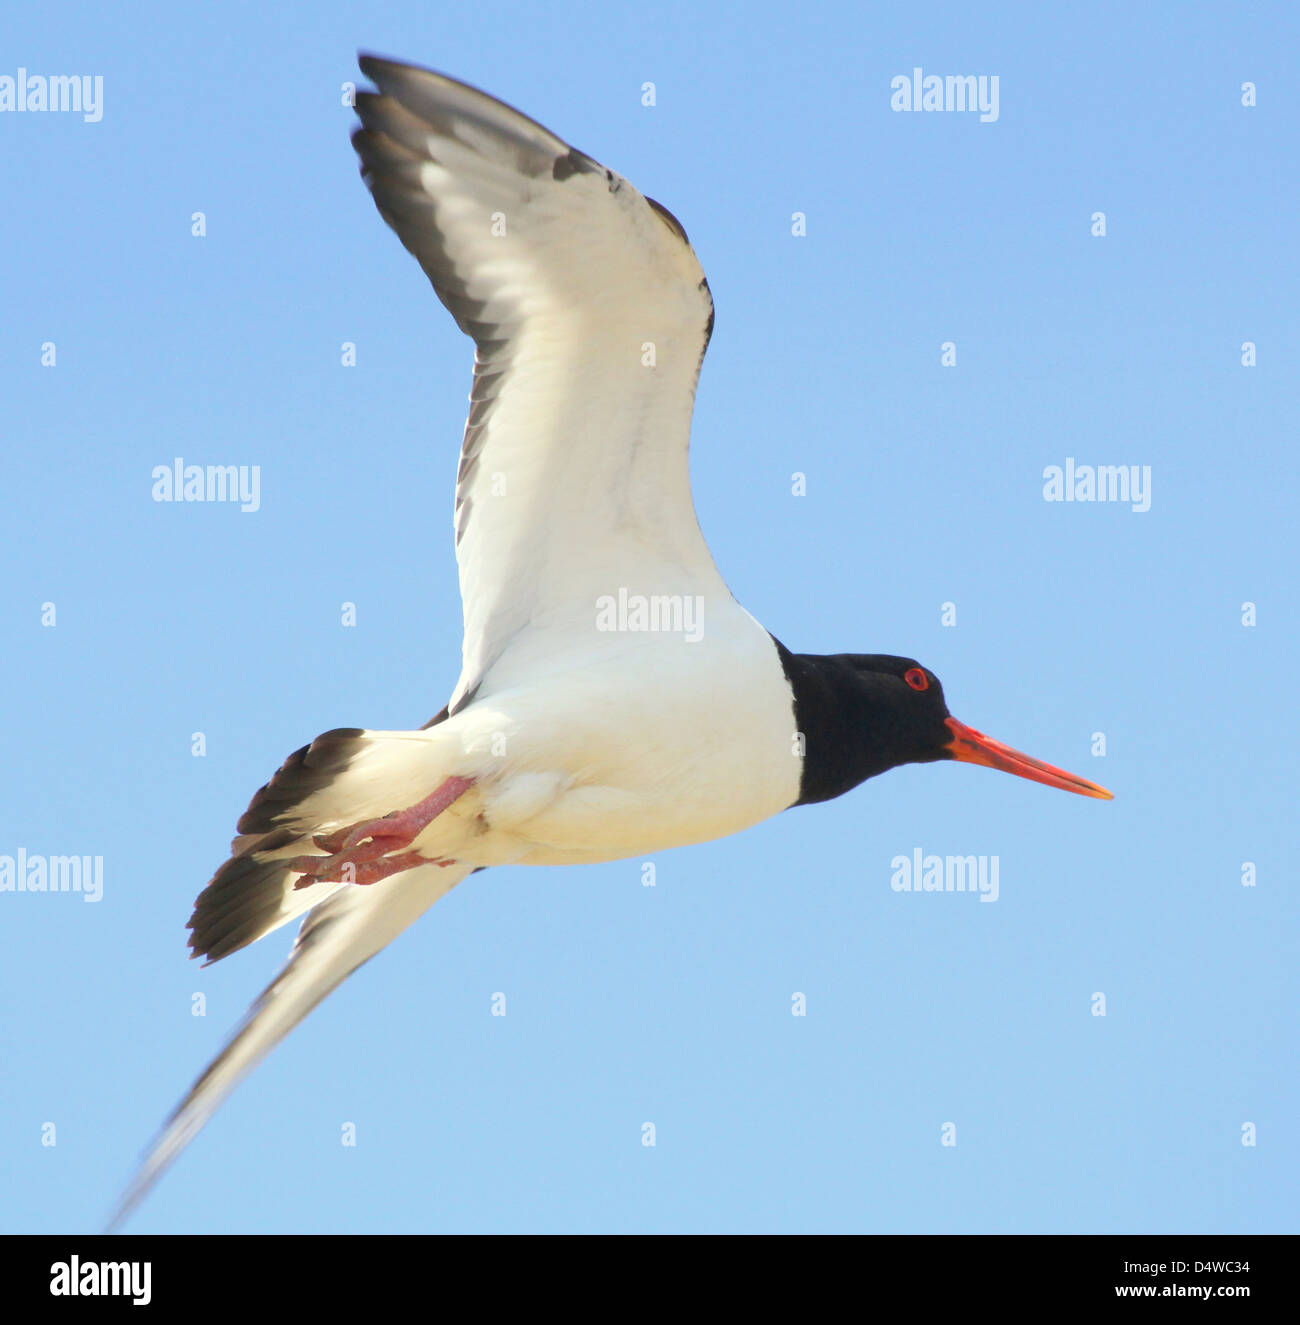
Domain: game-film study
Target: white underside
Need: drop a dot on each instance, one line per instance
(631, 743)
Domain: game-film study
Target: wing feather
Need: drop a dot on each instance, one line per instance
(339, 935)
(590, 316)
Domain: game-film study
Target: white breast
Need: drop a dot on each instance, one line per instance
(630, 742)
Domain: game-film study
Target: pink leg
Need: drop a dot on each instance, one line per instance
(402, 827)
(367, 847)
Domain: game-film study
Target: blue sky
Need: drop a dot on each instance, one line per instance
(924, 486)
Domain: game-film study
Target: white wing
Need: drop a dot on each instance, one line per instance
(590, 315)
(339, 935)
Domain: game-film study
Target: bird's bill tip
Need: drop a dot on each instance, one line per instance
(973, 747)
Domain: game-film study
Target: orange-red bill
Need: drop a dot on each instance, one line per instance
(972, 747)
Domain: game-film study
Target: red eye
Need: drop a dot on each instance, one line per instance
(916, 678)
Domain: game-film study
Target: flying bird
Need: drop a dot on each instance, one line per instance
(614, 698)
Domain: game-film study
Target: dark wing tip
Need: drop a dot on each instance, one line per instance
(669, 220)
(438, 98)
(385, 66)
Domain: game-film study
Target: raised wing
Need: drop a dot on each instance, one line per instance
(590, 316)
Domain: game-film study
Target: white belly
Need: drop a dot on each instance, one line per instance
(648, 742)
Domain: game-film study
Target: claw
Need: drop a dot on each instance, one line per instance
(332, 870)
(332, 842)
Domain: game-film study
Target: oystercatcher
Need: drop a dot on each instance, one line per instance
(614, 698)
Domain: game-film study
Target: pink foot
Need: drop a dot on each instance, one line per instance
(363, 853)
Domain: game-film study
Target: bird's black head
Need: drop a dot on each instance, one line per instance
(861, 714)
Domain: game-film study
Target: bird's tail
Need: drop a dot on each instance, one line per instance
(343, 776)
(339, 935)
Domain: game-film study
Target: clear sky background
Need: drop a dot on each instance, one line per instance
(672, 1004)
